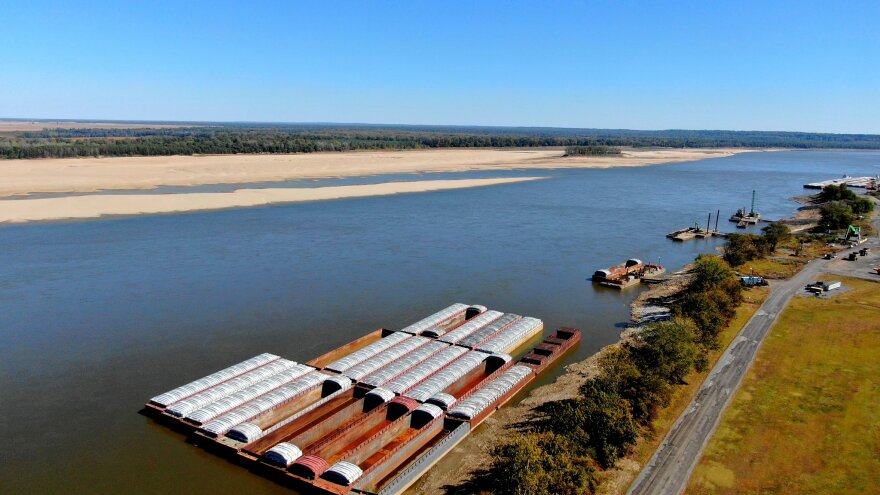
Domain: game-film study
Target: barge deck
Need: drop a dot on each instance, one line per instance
(373, 415)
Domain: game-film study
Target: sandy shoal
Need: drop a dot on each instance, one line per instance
(39, 125)
(18, 177)
(97, 205)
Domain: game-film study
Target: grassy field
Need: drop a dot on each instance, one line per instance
(618, 479)
(805, 418)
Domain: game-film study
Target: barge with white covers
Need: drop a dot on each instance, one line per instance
(372, 416)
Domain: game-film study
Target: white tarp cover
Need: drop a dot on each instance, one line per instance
(217, 392)
(364, 368)
(191, 388)
(443, 400)
(343, 473)
(424, 369)
(484, 333)
(436, 319)
(471, 326)
(367, 352)
(384, 394)
(508, 337)
(431, 409)
(265, 402)
(284, 454)
(250, 393)
(245, 432)
(470, 407)
(387, 373)
(447, 376)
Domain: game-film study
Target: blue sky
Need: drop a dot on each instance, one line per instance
(812, 66)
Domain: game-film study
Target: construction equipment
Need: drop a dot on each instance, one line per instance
(853, 232)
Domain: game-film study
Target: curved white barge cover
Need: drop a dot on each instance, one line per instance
(509, 336)
(217, 392)
(245, 432)
(382, 393)
(184, 391)
(245, 395)
(472, 325)
(343, 473)
(436, 319)
(364, 368)
(283, 454)
(425, 369)
(367, 352)
(442, 400)
(265, 402)
(447, 376)
(470, 407)
(404, 363)
(493, 328)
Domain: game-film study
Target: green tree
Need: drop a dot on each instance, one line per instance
(742, 248)
(861, 205)
(774, 234)
(836, 193)
(668, 349)
(836, 215)
(541, 464)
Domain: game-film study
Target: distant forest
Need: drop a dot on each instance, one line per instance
(206, 138)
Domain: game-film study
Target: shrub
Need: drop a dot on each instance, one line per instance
(836, 215)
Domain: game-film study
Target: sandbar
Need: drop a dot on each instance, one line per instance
(97, 205)
(62, 175)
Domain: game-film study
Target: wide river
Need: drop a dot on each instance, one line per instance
(98, 316)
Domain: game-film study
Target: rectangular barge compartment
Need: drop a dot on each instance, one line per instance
(355, 345)
(396, 473)
(313, 425)
(336, 446)
(405, 467)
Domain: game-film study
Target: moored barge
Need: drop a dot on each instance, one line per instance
(373, 415)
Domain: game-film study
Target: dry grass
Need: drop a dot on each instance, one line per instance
(805, 419)
(618, 479)
(774, 268)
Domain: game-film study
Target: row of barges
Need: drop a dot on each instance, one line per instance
(372, 416)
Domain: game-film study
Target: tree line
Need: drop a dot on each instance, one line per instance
(306, 138)
(569, 442)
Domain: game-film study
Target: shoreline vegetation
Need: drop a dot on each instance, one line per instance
(20, 140)
(593, 429)
(579, 434)
(591, 151)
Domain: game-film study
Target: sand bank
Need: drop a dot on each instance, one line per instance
(39, 125)
(91, 174)
(97, 205)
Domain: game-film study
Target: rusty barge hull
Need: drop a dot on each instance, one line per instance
(373, 415)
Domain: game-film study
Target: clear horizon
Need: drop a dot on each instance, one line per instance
(789, 66)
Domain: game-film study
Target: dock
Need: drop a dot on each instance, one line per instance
(857, 182)
(373, 415)
(691, 233)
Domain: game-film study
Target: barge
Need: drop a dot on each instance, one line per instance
(627, 274)
(373, 415)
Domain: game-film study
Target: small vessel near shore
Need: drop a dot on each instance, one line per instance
(745, 218)
(628, 274)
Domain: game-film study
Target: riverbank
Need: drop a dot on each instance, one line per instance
(82, 175)
(94, 206)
